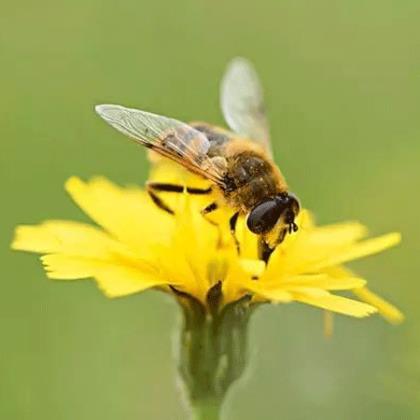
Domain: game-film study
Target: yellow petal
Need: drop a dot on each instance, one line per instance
(34, 239)
(272, 294)
(126, 213)
(314, 285)
(309, 291)
(141, 247)
(362, 249)
(191, 249)
(61, 236)
(247, 239)
(114, 278)
(323, 281)
(69, 267)
(340, 233)
(386, 309)
(234, 284)
(305, 220)
(276, 295)
(255, 268)
(80, 251)
(337, 304)
(117, 281)
(311, 245)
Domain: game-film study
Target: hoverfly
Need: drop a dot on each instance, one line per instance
(238, 163)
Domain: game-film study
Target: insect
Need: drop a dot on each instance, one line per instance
(238, 163)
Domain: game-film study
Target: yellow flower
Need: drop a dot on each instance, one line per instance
(137, 246)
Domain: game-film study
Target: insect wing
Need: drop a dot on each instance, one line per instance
(242, 102)
(166, 136)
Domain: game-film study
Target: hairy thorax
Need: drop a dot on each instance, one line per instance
(250, 174)
(250, 180)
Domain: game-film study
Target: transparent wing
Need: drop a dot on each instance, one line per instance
(242, 102)
(166, 136)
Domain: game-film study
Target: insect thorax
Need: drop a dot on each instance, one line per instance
(251, 176)
(253, 179)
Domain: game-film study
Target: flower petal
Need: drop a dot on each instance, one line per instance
(362, 249)
(62, 236)
(312, 245)
(34, 239)
(113, 279)
(255, 268)
(234, 284)
(80, 251)
(323, 281)
(126, 213)
(338, 234)
(386, 309)
(275, 294)
(142, 247)
(337, 304)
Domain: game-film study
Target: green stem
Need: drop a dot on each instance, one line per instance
(206, 410)
(212, 350)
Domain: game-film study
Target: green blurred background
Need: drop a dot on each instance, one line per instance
(342, 80)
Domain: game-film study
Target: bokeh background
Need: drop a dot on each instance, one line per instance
(342, 81)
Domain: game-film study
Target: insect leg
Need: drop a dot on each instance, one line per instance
(210, 208)
(159, 203)
(232, 224)
(163, 187)
(264, 251)
(153, 187)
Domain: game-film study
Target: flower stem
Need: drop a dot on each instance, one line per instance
(206, 410)
(212, 352)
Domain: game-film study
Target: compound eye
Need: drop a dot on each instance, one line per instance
(264, 216)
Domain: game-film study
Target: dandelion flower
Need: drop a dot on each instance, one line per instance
(217, 278)
(136, 246)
